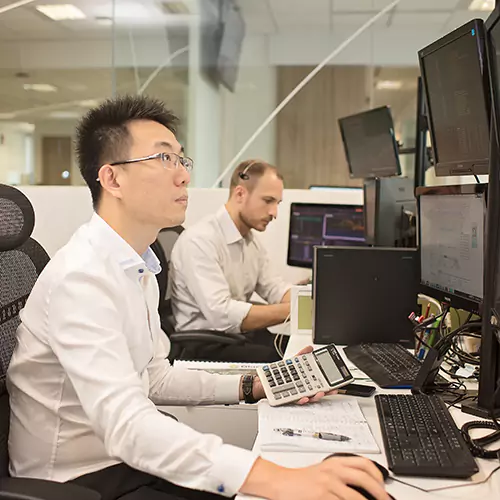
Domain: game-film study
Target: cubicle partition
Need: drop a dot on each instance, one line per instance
(60, 210)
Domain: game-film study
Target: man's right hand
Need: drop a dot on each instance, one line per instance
(328, 480)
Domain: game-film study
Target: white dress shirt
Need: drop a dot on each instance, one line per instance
(214, 272)
(90, 365)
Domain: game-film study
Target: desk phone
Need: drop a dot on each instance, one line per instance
(304, 375)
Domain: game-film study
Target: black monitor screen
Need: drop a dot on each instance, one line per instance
(370, 144)
(322, 225)
(452, 222)
(454, 83)
(231, 44)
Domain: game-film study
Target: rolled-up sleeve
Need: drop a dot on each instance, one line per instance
(96, 359)
(203, 276)
(270, 286)
(175, 386)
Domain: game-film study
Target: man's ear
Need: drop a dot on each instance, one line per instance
(109, 177)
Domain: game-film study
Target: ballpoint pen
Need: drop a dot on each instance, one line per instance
(327, 436)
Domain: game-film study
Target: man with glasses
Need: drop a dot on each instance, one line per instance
(219, 263)
(91, 360)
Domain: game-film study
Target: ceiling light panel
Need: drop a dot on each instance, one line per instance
(61, 12)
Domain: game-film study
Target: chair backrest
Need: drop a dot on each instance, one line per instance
(162, 247)
(22, 260)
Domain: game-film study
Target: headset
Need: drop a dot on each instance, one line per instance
(244, 175)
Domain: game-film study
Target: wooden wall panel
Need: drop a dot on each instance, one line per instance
(308, 143)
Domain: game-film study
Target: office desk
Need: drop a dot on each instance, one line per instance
(486, 491)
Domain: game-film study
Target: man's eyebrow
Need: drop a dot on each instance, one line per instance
(165, 144)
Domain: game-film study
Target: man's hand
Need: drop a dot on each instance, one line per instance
(328, 480)
(319, 395)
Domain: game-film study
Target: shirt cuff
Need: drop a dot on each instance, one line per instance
(238, 311)
(227, 389)
(230, 469)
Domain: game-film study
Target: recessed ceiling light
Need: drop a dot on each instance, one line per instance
(61, 12)
(40, 87)
(89, 103)
(485, 5)
(104, 21)
(64, 114)
(389, 85)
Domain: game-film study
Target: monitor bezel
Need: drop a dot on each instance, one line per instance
(458, 167)
(298, 263)
(371, 175)
(451, 299)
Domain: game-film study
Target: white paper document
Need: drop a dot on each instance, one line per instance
(340, 416)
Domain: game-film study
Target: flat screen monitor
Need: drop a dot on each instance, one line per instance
(370, 144)
(452, 243)
(455, 79)
(315, 224)
(233, 33)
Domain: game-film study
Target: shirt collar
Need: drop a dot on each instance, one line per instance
(229, 229)
(104, 236)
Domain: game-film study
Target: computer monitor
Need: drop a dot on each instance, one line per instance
(455, 78)
(390, 212)
(315, 224)
(452, 244)
(370, 144)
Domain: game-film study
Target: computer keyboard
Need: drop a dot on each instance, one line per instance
(388, 365)
(421, 438)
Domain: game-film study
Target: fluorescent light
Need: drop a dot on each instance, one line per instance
(104, 21)
(61, 12)
(89, 103)
(389, 85)
(40, 87)
(484, 5)
(64, 115)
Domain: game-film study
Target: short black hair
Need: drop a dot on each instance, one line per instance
(102, 135)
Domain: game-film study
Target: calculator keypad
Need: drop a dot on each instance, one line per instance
(292, 377)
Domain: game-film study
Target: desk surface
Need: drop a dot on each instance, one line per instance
(455, 489)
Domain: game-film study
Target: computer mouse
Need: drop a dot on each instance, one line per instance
(361, 491)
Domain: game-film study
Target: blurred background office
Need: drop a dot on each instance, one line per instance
(222, 66)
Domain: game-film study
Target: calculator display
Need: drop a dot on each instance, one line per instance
(328, 366)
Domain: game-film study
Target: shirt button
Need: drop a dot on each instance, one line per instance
(141, 271)
(221, 488)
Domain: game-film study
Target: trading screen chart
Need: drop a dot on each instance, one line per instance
(322, 225)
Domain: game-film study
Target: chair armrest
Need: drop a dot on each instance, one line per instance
(16, 488)
(207, 336)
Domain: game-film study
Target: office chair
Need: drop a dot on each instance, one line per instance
(22, 260)
(181, 342)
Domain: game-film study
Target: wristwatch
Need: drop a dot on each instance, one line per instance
(247, 387)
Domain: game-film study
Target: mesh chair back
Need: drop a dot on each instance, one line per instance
(22, 259)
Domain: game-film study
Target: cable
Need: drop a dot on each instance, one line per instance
(443, 488)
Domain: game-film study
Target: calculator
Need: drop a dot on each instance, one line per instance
(304, 375)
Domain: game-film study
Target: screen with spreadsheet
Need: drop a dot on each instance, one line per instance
(452, 243)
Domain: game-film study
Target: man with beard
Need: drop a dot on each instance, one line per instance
(219, 263)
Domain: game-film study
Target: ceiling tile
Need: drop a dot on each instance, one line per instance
(418, 19)
(404, 5)
(356, 19)
(298, 7)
